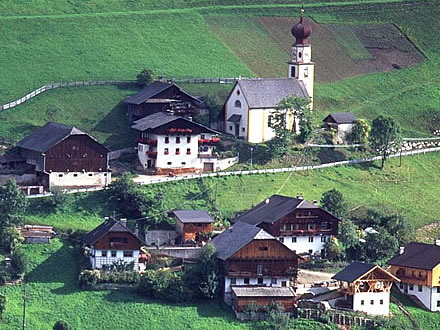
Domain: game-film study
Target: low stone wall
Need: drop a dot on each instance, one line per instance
(412, 145)
(177, 251)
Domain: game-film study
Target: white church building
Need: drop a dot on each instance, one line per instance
(251, 101)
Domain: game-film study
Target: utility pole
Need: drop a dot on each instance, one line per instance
(25, 297)
(252, 149)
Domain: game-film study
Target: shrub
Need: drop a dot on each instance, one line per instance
(62, 325)
(145, 77)
(89, 278)
(19, 262)
(10, 238)
(60, 200)
(2, 305)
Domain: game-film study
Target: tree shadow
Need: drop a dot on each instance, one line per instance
(330, 155)
(59, 267)
(367, 166)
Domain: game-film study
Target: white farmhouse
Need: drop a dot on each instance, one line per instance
(365, 288)
(418, 268)
(249, 105)
(342, 122)
(173, 144)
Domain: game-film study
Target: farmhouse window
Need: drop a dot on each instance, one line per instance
(311, 226)
(237, 104)
(260, 280)
(401, 285)
(233, 281)
(293, 239)
(310, 239)
(246, 280)
(299, 54)
(438, 303)
(75, 148)
(323, 239)
(273, 281)
(167, 139)
(438, 289)
(243, 129)
(371, 302)
(238, 92)
(230, 128)
(177, 139)
(188, 151)
(381, 301)
(75, 174)
(60, 175)
(282, 239)
(177, 151)
(140, 147)
(169, 163)
(113, 254)
(188, 139)
(118, 240)
(166, 151)
(90, 174)
(183, 163)
(420, 288)
(411, 287)
(284, 283)
(104, 253)
(202, 136)
(362, 302)
(128, 254)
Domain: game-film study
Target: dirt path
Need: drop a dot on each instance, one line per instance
(308, 276)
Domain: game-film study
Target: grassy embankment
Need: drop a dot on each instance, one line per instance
(54, 294)
(410, 190)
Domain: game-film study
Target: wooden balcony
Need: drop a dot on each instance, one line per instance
(307, 232)
(150, 142)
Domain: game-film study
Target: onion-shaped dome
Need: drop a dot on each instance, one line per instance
(301, 31)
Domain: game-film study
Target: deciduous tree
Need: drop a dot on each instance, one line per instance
(333, 202)
(145, 77)
(385, 136)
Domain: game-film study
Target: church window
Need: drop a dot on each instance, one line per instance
(243, 129)
(292, 71)
(238, 92)
(306, 72)
(237, 104)
(299, 54)
(230, 128)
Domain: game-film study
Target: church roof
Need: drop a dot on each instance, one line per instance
(267, 93)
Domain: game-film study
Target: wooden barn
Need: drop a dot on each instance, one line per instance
(193, 225)
(251, 257)
(302, 226)
(65, 156)
(162, 96)
(36, 234)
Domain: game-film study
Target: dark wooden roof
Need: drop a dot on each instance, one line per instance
(353, 272)
(109, 225)
(236, 237)
(267, 93)
(341, 118)
(152, 90)
(274, 208)
(49, 135)
(418, 255)
(192, 216)
(159, 119)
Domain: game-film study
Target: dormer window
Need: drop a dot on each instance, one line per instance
(237, 104)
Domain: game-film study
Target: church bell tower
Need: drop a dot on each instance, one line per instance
(301, 66)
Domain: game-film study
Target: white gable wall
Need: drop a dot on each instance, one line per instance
(231, 109)
(370, 302)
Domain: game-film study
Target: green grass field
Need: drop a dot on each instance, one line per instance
(54, 294)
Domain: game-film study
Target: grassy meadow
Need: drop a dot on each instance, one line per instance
(54, 294)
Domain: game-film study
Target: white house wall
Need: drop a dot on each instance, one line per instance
(428, 296)
(372, 302)
(303, 245)
(99, 260)
(172, 160)
(79, 179)
(231, 109)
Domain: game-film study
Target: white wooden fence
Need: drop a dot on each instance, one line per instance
(47, 87)
(262, 171)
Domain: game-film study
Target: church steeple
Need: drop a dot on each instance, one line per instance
(301, 66)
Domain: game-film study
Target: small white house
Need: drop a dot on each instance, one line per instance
(173, 144)
(342, 122)
(364, 288)
(113, 242)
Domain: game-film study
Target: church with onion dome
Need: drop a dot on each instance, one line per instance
(249, 105)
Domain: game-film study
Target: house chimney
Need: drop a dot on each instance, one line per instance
(401, 250)
(437, 242)
(315, 202)
(124, 221)
(267, 200)
(299, 196)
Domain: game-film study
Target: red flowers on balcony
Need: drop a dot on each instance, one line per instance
(180, 130)
(147, 141)
(209, 141)
(152, 154)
